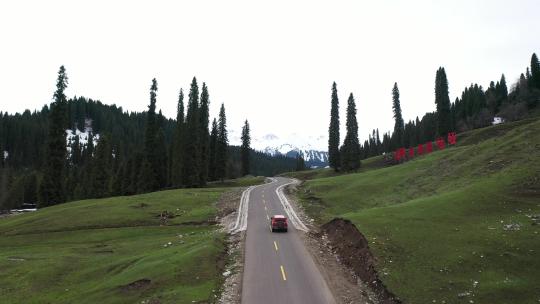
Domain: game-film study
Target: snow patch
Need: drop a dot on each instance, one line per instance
(83, 136)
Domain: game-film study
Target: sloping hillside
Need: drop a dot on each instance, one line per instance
(458, 225)
(161, 247)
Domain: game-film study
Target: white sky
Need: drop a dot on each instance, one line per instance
(272, 62)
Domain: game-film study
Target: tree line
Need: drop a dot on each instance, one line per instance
(476, 108)
(124, 153)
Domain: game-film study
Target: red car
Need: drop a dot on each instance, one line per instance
(278, 223)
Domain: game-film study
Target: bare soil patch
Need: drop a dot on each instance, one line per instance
(345, 284)
(136, 285)
(353, 250)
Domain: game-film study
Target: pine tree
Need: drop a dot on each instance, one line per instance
(333, 131)
(101, 168)
(192, 155)
(300, 163)
(88, 151)
(350, 154)
(178, 143)
(502, 92)
(52, 190)
(144, 182)
(535, 71)
(246, 141)
(398, 118)
(2, 156)
(148, 179)
(76, 153)
(221, 145)
(204, 118)
(212, 151)
(504, 88)
(379, 144)
(442, 101)
(117, 175)
(162, 159)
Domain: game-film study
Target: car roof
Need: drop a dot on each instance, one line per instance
(279, 216)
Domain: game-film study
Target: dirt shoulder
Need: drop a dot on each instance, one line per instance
(231, 290)
(342, 253)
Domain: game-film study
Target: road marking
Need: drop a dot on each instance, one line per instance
(293, 217)
(283, 273)
(265, 208)
(275, 245)
(241, 219)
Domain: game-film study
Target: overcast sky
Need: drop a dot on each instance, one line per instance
(272, 62)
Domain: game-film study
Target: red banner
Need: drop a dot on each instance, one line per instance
(420, 149)
(452, 138)
(440, 143)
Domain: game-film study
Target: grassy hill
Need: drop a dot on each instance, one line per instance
(116, 250)
(457, 225)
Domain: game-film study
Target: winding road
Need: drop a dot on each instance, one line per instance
(278, 268)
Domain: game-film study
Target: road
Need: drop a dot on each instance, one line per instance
(278, 267)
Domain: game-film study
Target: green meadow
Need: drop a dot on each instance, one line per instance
(455, 226)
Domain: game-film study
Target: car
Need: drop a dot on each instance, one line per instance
(278, 222)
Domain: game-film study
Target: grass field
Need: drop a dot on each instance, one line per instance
(437, 224)
(369, 164)
(239, 182)
(115, 250)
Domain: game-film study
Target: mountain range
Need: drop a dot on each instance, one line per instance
(312, 148)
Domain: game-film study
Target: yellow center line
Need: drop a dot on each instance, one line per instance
(275, 245)
(283, 273)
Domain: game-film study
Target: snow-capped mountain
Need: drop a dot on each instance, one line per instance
(311, 148)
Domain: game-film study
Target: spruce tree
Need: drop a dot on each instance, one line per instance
(117, 176)
(222, 145)
(148, 179)
(162, 159)
(300, 163)
(192, 155)
(535, 71)
(88, 151)
(178, 143)
(333, 131)
(502, 92)
(246, 141)
(101, 168)
(442, 101)
(504, 88)
(350, 154)
(204, 120)
(2, 155)
(212, 151)
(378, 141)
(76, 153)
(52, 190)
(399, 126)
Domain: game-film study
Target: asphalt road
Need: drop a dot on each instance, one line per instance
(278, 267)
